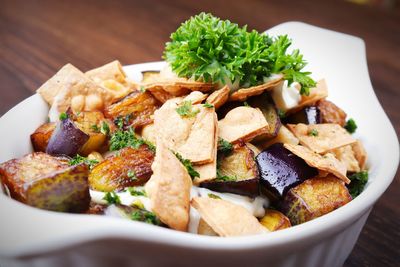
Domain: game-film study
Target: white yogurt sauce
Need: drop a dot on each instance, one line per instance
(255, 206)
(286, 97)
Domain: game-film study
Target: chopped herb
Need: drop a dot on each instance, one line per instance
(219, 51)
(63, 116)
(225, 178)
(138, 204)
(210, 195)
(208, 105)
(313, 132)
(136, 192)
(119, 122)
(281, 114)
(145, 216)
(358, 182)
(351, 126)
(188, 165)
(78, 159)
(246, 104)
(95, 128)
(131, 174)
(186, 109)
(105, 128)
(112, 198)
(224, 146)
(121, 139)
(142, 89)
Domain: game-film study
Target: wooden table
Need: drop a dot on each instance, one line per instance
(38, 37)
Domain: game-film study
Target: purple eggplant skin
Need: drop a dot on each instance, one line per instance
(67, 139)
(307, 115)
(249, 187)
(280, 170)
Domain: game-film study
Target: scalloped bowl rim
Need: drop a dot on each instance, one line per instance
(80, 229)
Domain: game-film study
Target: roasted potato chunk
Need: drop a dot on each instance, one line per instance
(40, 138)
(314, 198)
(136, 109)
(237, 173)
(330, 113)
(275, 220)
(129, 167)
(47, 182)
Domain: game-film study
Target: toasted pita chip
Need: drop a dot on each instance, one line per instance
(205, 229)
(242, 123)
(149, 133)
(244, 93)
(327, 162)
(326, 136)
(160, 94)
(346, 156)
(169, 189)
(360, 154)
(227, 219)
(317, 93)
(219, 97)
(195, 97)
(192, 137)
(284, 136)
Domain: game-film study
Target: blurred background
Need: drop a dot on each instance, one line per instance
(38, 37)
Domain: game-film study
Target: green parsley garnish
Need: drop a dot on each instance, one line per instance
(138, 204)
(208, 105)
(63, 116)
(142, 89)
(112, 198)
(119, 122)
(246, 104)
(95, 128)
(121, 139)
(145, 216)
(313, 132)
(78, 159)
(186, 109)
(136, 192)
(188, 165)
(131, 174)
(213, 50)
(224, 146)
(351, 126)
(105, 128)
(281, 114)
(358, 182)
(225, 178)
(214, 196)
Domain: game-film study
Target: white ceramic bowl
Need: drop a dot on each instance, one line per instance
(33, 237)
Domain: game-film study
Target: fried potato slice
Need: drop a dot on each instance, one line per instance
(242, 123)
(227, 219)
(47, 182)
(346, 156)
(360, 154)
(321, 138)
(192, 137)
(112, 77)
(244, 93)
(138, 107)
(195, 97)
(130, 167)
(327, 162)
(40, 138)
(69, 87)
(219, 97)
(169, 189)
(330, 113)
(320, 91)
(314, 198)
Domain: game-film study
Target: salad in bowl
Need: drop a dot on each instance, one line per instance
(231, 137)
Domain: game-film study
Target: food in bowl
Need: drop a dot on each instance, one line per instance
(231, 138)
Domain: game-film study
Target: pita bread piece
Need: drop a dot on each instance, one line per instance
(327, 162)
(227, 219)
(242, 123)
(219, 97)
(196, 97)
(360, 154)
(244, 93)
(169, 189)
(317, 93)
(346, 156)
(321, 138)
(193, 137)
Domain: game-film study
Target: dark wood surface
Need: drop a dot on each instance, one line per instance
(38, 37)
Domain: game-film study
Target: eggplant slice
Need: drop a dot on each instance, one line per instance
(236, 173)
